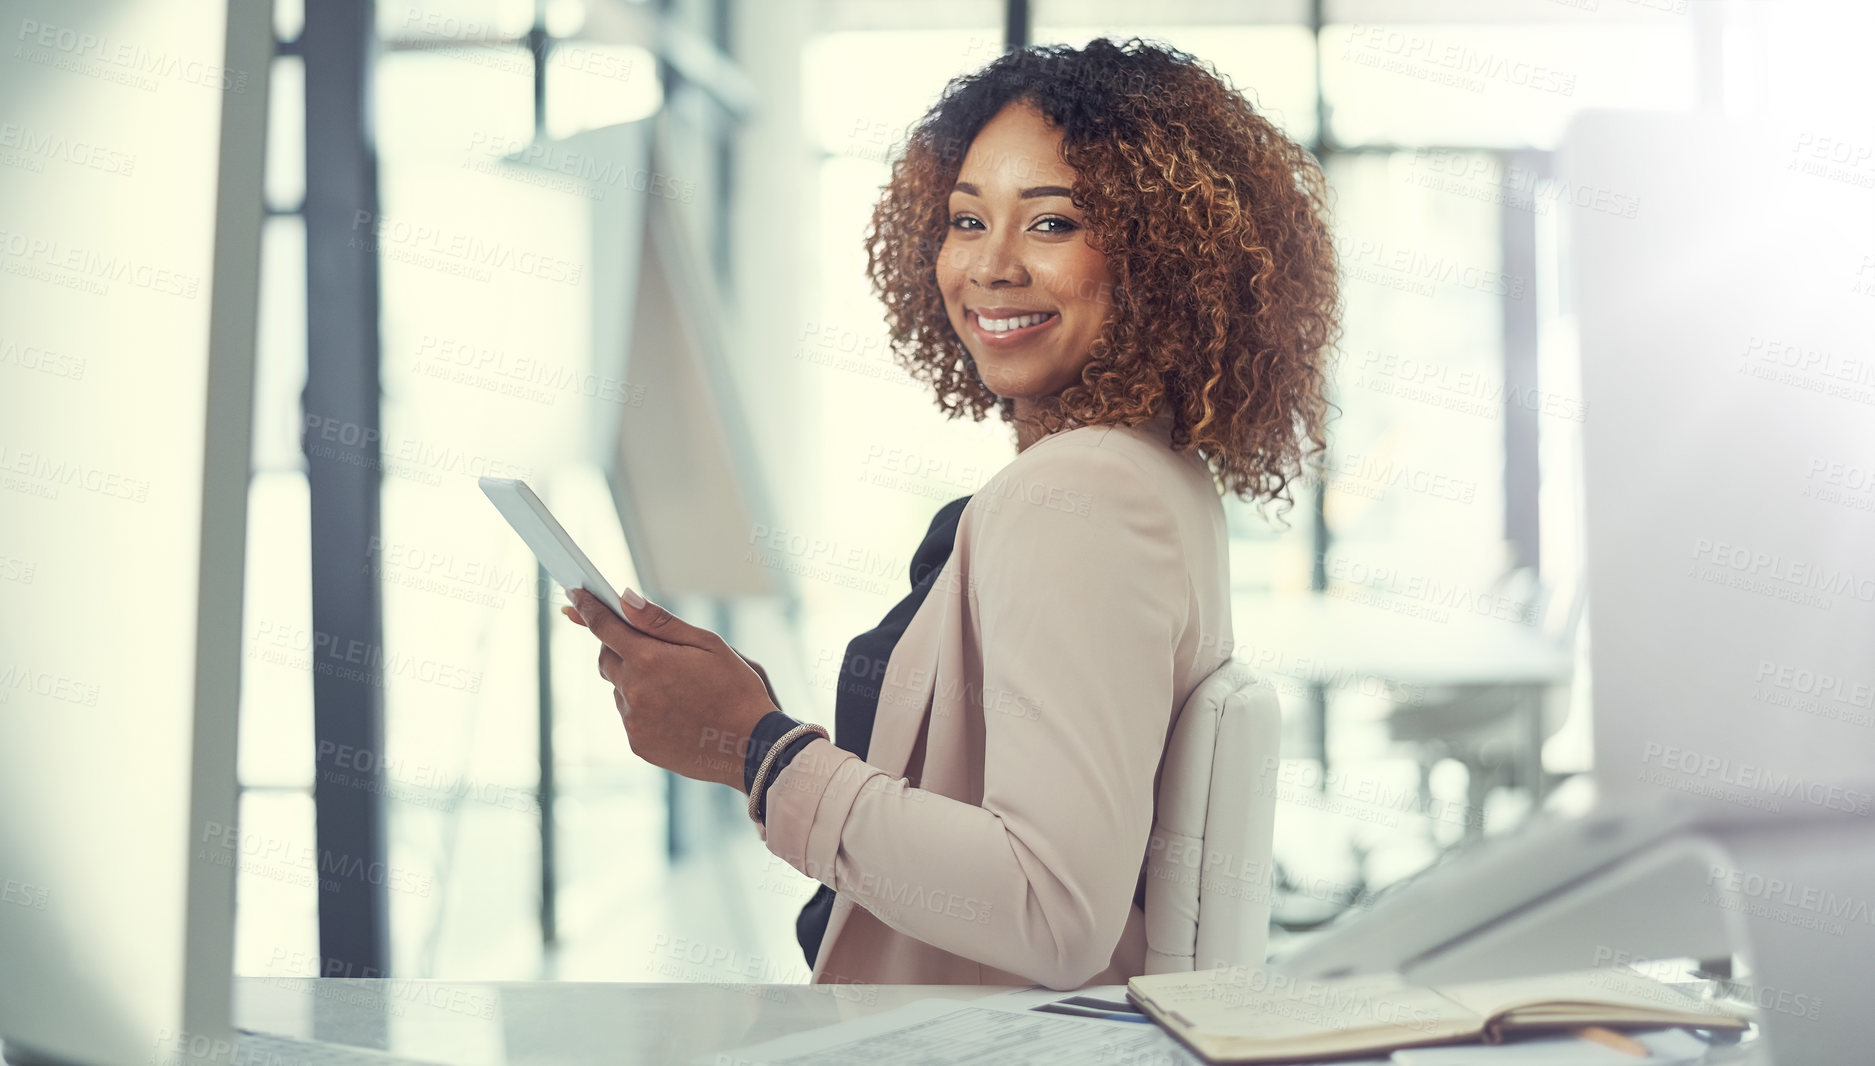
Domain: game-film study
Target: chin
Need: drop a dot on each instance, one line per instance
(1010, 390)
(1004, 376)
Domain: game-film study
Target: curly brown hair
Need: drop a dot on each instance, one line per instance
(1213, 224)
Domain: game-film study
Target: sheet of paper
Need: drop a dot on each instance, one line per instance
(1034, 995)
(1669, 1046)
(943, 1032)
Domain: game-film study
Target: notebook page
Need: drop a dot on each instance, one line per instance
(1667, 1047)
(1566, 995)
(1230, 1003)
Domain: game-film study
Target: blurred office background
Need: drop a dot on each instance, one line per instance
(547, 228)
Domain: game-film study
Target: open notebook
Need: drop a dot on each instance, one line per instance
(1236, 1014)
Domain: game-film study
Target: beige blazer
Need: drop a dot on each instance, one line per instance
(996, 831)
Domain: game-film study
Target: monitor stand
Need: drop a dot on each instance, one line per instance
(1790, 896)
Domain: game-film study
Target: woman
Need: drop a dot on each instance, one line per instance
(1112, 249)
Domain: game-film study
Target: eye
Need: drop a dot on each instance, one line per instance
(957, 222)
(1056, 223)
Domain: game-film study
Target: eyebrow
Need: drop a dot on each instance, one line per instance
(1026, 194)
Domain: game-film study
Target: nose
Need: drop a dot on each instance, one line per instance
(996, 260)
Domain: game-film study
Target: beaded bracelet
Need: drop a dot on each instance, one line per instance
(774, 752)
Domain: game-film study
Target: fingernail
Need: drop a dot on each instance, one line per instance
(632, 597)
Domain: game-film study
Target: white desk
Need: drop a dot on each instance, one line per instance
(1325, 641)
(561, 1024)
(1331, 640)
(472, 1024)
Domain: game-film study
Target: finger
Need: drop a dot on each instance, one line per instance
(609, 665)
(611, 631)
(653, 620)
(573, 616)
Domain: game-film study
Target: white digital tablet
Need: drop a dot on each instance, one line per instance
(555, 550)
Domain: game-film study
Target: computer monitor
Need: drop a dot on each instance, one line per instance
(1729, 466)
(1730, 421)
(1719, 281)
(129, 253)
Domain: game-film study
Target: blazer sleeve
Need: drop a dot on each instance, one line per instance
(1080, 588)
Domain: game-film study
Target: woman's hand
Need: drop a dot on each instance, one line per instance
(573, 615)
(688, 701)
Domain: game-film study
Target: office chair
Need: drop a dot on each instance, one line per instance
(1208, 858)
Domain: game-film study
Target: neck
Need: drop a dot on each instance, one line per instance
(1028, 429)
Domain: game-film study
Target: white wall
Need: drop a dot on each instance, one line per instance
(108, 176)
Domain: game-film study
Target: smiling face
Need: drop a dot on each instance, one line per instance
(1021, 285)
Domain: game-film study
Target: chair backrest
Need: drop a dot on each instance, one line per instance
(1208, 870)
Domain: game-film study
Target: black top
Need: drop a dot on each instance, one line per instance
(856, 698)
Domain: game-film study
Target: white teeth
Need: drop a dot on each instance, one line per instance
(1004, 325)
